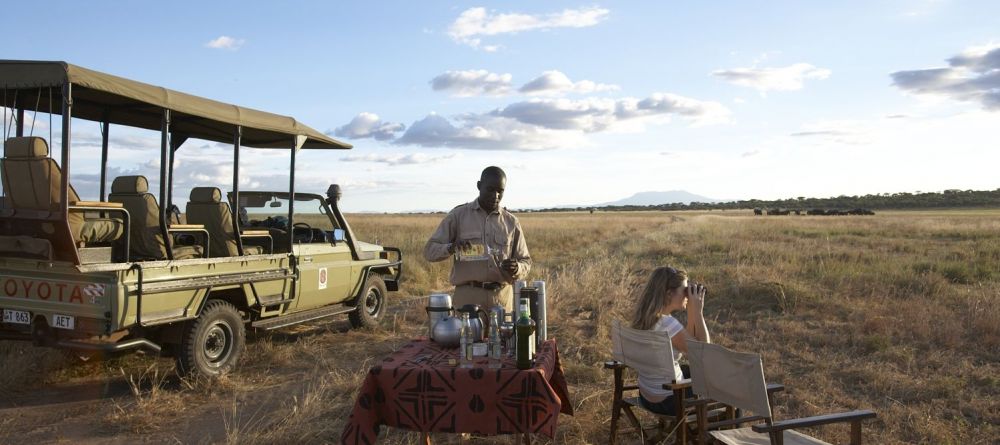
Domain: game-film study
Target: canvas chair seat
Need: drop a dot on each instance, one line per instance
(32, 180)
(145, 235)
(747, 436)
(206, 207)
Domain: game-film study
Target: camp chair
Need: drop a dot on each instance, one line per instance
(145, 236)
(737, 379)
(32, 182)
(206, 207)
(651, 353)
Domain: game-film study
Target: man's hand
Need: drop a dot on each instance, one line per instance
(459, 245)
(510, 267)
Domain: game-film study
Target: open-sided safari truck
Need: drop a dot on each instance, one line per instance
(123, 272)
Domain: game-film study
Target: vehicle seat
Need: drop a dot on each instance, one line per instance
(31, 180)
(145, 236)
(206, 207)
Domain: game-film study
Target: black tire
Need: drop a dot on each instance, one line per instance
(213, 342)
(371, 304)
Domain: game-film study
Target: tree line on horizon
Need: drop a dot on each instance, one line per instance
(880, 201)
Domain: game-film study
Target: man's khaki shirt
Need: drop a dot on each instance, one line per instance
(499, 230)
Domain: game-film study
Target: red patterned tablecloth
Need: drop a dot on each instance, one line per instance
(415, 388)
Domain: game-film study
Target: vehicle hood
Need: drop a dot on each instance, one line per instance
(368, 247)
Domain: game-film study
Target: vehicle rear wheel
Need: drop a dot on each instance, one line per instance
(371, 304)
(213, 342)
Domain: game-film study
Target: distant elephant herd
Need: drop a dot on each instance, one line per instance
(822, 212)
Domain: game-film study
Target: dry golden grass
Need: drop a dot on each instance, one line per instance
(896, 312)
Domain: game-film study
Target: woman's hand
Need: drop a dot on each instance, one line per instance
(696, 297)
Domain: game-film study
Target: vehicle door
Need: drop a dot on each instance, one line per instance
(324, 263)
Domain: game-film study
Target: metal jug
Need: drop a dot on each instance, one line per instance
(448, 331)
(438, 307)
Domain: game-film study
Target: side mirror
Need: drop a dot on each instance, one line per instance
(337, 235)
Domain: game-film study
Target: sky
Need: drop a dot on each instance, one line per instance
(579, 102)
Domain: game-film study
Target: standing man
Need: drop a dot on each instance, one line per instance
(492, 253)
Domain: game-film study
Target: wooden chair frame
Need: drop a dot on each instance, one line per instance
(652, 352)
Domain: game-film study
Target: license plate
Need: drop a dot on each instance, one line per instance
(62, 321)
(16, 317)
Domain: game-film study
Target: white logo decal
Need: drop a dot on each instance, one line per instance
(322, 278)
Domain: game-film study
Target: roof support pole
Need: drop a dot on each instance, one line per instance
(291, 196)
(105, 126)
(175, 143)
(67, 118)
(237, 138)
(20, 120)
(164, 178)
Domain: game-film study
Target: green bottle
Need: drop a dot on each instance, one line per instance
(524, 328)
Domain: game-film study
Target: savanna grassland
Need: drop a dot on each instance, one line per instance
(896, 312)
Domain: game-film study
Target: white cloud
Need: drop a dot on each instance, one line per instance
(476, 22)
(971, 76)
(555, 83)
(397, 159)
(486, 132)
(540, 124)
(226, 42)
(787, 78)
(837, 132)
(369, 125)
(594, 114)
(472, 83)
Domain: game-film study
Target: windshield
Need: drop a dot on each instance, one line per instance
(268, 210)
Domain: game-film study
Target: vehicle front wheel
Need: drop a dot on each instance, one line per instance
(371, 305)
(213, 342)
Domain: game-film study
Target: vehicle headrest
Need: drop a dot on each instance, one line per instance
(206, 195)
(26, 147)
(130, 184)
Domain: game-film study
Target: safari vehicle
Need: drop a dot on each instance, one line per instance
(122, 273)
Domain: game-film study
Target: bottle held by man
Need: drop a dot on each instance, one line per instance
(466, 339)
(524, 329)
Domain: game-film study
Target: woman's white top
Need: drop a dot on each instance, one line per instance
(652, 387)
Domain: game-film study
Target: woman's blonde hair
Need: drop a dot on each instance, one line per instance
(647, 309)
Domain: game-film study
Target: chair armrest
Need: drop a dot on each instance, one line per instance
(614, 364)
(851, 416)
(678, 384)
(102, 204)
(180, 227)
(260, 234)
(194, 228)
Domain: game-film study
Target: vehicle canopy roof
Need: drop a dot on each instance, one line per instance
(98, 97)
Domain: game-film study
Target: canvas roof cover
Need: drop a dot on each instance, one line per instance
(97, 96)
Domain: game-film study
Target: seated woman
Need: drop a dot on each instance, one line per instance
(668, 291)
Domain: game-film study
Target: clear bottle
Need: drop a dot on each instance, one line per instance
(524, 328)
(466, 342)
(494, 341)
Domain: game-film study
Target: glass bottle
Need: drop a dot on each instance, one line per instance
(466, 340)
(524, 328)
(494, 340)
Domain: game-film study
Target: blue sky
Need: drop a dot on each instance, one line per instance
(580, 102)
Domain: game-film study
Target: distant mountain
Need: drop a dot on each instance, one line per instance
(655, 198)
